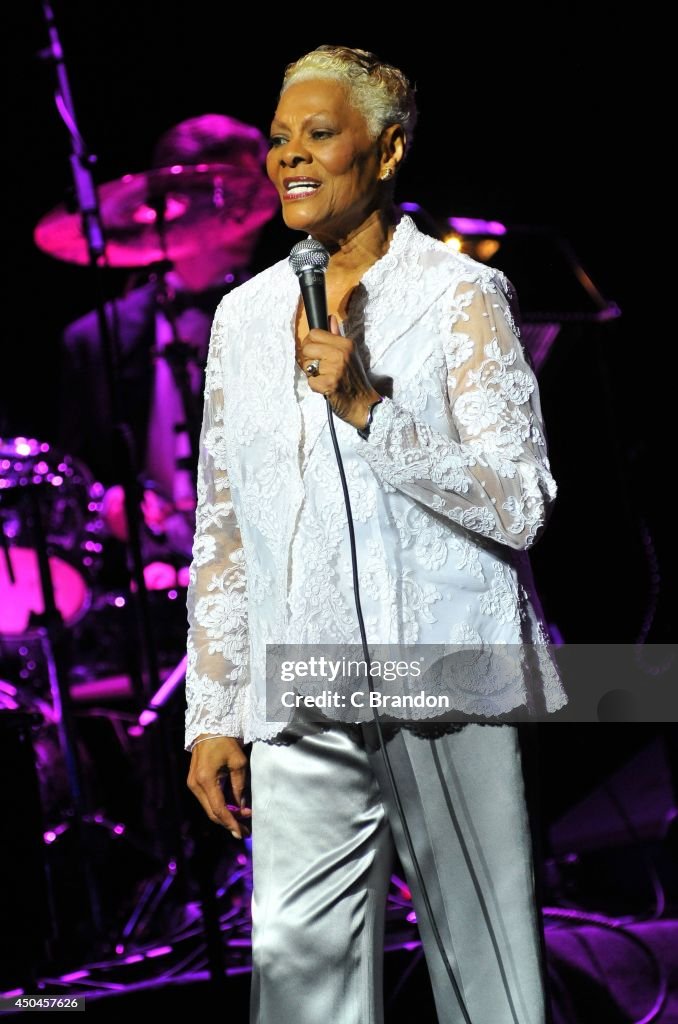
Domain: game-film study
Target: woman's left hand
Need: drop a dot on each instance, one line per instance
(342, 376)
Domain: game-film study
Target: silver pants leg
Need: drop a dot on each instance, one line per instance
(324, 832)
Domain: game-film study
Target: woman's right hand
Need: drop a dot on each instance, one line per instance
(211, 760)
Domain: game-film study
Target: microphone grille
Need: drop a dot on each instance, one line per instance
(309, 254)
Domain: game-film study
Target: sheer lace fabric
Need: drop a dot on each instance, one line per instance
(449, 491)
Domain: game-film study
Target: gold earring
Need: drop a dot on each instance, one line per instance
(387, 174)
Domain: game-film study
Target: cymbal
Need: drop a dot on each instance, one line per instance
(195, 205)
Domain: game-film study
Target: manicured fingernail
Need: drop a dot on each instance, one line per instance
(234, 834)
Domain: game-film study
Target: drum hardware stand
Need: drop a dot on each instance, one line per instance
(52, 640)
(178, 354)
(164, 804)
(5, 551)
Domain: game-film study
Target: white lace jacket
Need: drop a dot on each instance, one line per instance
(451, 487)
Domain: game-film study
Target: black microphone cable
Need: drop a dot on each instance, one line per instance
(309, 259)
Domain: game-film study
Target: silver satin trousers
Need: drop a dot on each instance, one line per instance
(324, 832)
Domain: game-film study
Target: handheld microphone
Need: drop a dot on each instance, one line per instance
(309, 260)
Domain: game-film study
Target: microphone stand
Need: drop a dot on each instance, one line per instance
(164, 803)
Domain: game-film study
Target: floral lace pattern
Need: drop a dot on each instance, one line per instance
(448, 492)
(495, 479)
(217, 648)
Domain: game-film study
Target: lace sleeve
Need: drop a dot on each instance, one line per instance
(218, 643)
(495, 480)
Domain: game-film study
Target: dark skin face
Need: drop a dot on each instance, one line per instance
(317, 133)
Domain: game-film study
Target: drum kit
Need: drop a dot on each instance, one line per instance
(169, 213)
(61, 623)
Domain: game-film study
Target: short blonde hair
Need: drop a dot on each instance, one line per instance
(380, 91)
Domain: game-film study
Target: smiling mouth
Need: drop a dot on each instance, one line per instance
(300, 190)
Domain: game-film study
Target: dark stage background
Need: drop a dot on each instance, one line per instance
(530, 133)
